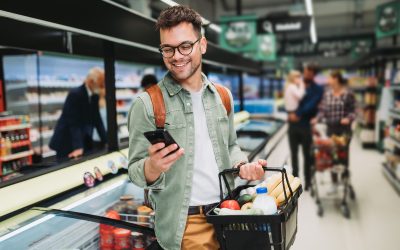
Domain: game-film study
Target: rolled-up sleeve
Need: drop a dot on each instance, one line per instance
(140, 120)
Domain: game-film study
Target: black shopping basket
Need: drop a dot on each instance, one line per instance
(240, 232)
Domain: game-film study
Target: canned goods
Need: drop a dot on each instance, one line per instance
(106, 239)
(122, 239)
(137, 241)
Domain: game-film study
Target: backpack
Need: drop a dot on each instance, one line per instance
(159, 106)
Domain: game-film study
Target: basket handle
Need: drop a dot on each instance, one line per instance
(222, 175)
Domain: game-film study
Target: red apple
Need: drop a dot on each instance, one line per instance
(231, 204)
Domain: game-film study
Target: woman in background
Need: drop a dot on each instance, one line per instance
(337, 111)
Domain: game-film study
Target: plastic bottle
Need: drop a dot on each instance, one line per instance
(265, 202)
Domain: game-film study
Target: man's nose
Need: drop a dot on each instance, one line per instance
(177, 55)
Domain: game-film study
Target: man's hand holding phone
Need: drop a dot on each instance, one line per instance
(161, 158)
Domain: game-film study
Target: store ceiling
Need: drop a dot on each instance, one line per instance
(332, 17)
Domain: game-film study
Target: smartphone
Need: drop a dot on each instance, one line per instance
(161, 135)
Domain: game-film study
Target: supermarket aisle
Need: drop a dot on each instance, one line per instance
(375, 218)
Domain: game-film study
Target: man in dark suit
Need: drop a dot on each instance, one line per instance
(80, 116)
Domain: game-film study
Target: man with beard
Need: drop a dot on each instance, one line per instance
(183, 183)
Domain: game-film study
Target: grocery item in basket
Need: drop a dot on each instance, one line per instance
(273, 181)
(279, 189)
(244, 199)
(122, 239)
(265, 202)
(294, 184)
(248, 205)
(227, 211)
(231, 204)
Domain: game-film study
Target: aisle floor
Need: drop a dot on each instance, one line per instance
(375, 215)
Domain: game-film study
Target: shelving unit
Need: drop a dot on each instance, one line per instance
(391, 168)
(366, 94)
(15, 145)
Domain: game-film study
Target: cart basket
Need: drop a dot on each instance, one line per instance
(248, 232)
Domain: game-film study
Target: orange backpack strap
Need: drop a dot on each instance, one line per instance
(223, 93)
(157, 100)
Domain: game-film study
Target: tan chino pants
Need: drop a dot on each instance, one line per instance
(199, 235)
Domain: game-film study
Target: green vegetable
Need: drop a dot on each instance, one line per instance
(244, 199)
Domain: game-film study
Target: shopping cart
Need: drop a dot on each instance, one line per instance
(237, 232)
(332, 155)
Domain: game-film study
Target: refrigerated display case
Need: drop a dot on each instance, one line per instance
(79, 222)
(37, 85)
(254, 134)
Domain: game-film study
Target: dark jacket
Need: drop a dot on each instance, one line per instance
(308, 107)
(75, 127)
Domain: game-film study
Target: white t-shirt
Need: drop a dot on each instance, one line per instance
(293, 96)
(205, 185)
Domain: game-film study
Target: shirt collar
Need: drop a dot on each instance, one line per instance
(173, 87)
(90, 93)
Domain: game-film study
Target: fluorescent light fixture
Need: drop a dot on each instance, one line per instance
(313, 31)
(309, 7)
(215, 27)
(310, 12)
(169, 2)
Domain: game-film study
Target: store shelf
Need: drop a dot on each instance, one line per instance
(390, 175)
(123, 109)
(122, 122)
(126, 85)
(395, 141)
(49, 154)
(16, 156)
(16, 86)
(395, 113)
(14, 127)
(395, 87)
(125, 97)
(47, 134)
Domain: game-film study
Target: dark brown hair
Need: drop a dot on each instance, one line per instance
(174, 15)
(312, 67)
(338, 76)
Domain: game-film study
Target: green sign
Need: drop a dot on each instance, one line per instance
(360, 47)
(387, 19)
(266, 49)
(239, 33)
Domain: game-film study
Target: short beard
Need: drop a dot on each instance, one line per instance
(193, 72)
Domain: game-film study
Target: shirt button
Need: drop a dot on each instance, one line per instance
(188, 103)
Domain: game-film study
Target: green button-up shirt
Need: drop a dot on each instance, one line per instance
(170, 194)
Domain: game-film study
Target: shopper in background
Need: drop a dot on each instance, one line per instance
(184, 185)
(80, 116)
(148, 81)
(337, 111)
(294, 91)
(299, 123)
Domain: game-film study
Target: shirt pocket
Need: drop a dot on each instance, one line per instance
(177, 130)
(223, 124)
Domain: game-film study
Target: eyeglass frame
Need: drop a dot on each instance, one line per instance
(177, 48)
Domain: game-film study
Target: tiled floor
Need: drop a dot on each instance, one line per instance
(375, 215)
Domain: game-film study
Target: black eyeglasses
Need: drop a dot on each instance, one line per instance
(184, 48)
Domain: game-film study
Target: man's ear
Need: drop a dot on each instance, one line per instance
(203, 45)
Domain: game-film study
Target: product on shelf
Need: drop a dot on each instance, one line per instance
(15, 145)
